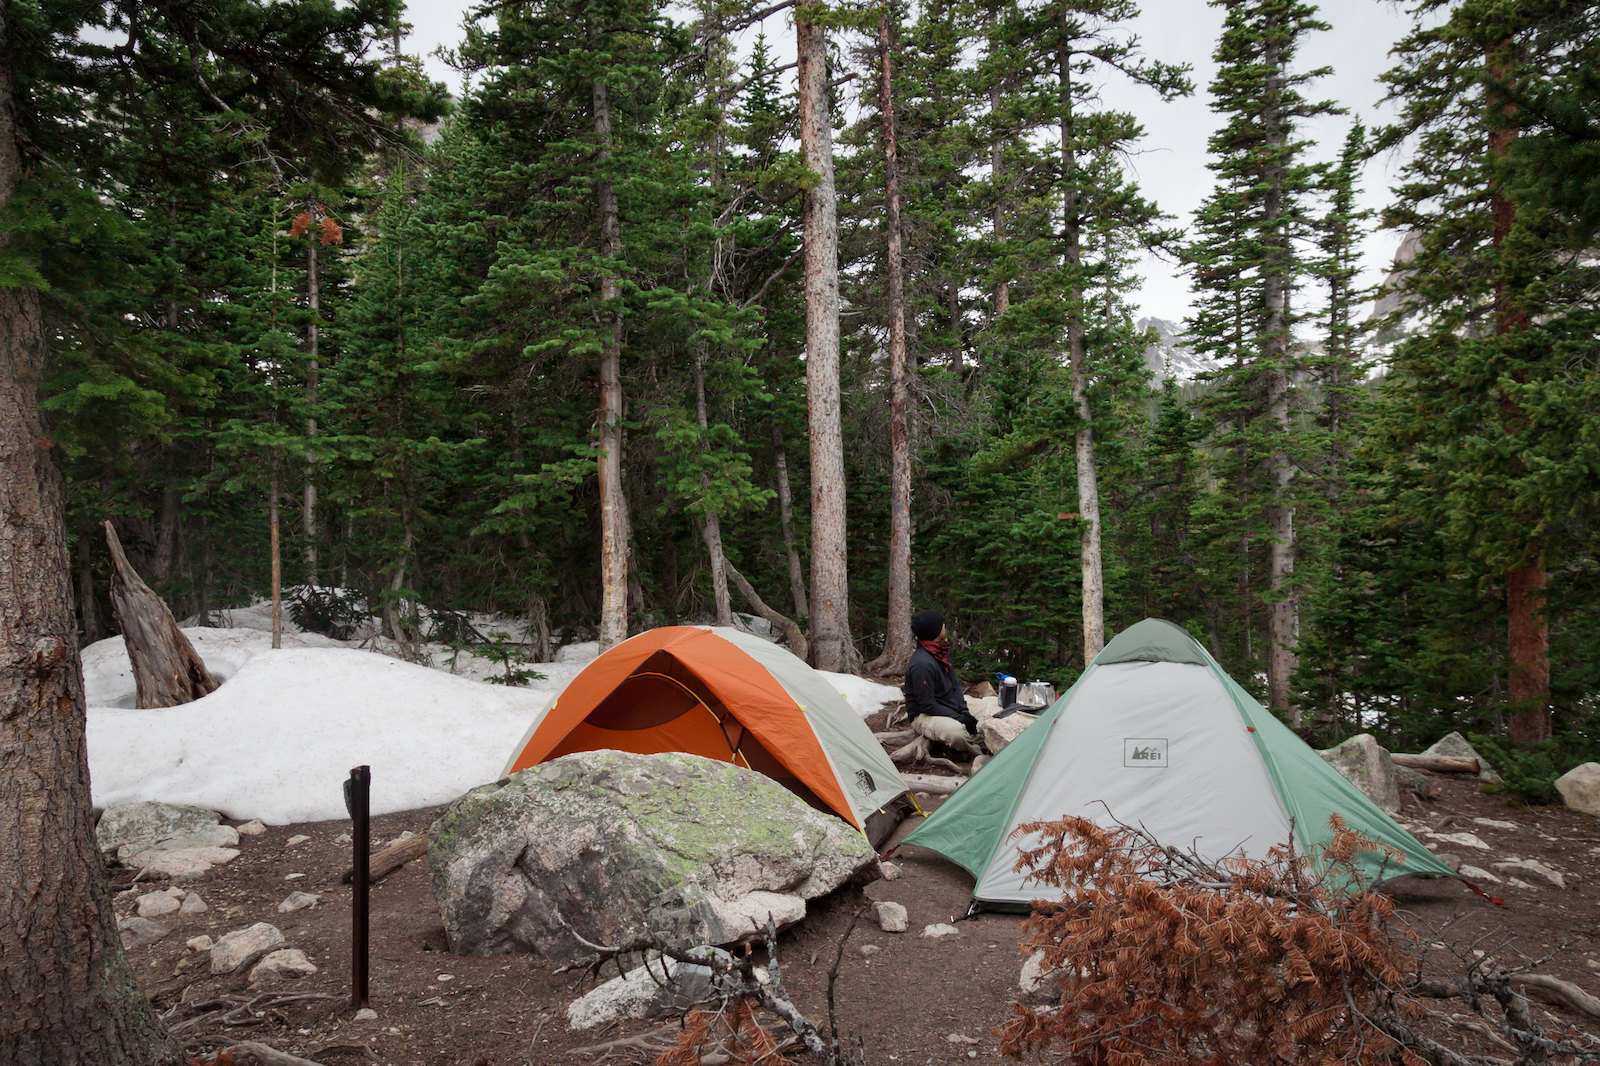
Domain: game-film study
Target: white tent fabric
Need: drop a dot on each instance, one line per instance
(1154, 744)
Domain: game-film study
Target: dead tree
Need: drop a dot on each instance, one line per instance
(167, 670)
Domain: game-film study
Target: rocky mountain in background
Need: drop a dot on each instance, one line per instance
(1168, 356)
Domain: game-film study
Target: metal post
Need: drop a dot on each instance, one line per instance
(358, 801)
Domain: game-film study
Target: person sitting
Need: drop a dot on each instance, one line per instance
(934, 698)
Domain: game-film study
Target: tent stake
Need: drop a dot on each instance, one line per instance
(358, 801)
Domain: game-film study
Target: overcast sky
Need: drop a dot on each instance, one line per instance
(1171, 164)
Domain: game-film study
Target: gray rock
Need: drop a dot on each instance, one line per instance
(869, 950)
(298, 901)
(1033, 978)
(612, 847)
(1535, 869)
(939, 931)
(1455, 745)
(1365, 764)
(283, 965)
(998, 732)
(1475, 873)
(658, 987)
(235, 947)
(892, 917)
(890, 871)
(1415, 781)
(127, 829)
(200, 943)
(1452, 861)
(193, 904)
(137, 932)
(253, 828)
(1580, 788)
(155, 904)
(180, 862)
(366, 1014)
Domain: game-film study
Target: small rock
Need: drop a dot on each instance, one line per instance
(293, 877)
(180, 862)
(253, 828)
(1592, 964)
(137, 932)
(1464, 840)
(891, 871)
(366, 1014)
(235, 947)
(869, 950)
(939, 930)
(1536, 869)
(1517, 882)
(155, 904)
(445, 977)
(177, 893)
(282, 965)
(402, 838)
(1496, 823)
(343, 838)
(960, 1038)
(298, 838)
(1473, 873)
(1033, 978)
(1452, 861)
(193, 904)
(298, 901)
(892, 917)
(200, 943)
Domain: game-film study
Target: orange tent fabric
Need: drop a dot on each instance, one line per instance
(682, 688)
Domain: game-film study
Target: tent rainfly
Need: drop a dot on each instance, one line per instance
(728, 695)
(1155, 734)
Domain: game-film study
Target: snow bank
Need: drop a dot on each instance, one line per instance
(278, 740)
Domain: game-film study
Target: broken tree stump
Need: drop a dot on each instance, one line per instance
(167, 670)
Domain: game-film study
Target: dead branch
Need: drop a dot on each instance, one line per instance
(1555, 990)
(955, 768)
(251, 1053)
(914, 752)
(383, 863)
(167, 671)
(894, 736)
(653, 1042)
(792, 633)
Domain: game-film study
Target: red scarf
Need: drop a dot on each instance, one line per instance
(939, 649)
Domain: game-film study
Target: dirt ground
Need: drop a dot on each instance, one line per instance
(908, 999)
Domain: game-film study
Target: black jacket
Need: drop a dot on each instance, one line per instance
(933, 688)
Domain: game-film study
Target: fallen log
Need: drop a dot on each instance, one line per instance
(383, 863)
(933, 784)
(792, 633)
(1439, 764)
(894, 736)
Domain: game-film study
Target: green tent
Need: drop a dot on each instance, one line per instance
(1154, 733)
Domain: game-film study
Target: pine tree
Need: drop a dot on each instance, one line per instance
(1248, 264)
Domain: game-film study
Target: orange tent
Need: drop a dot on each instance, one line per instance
(727, 695)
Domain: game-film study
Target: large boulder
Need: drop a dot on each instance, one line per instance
(1580, 788)
(1455, 745)
(611, 848)
(129, 830)
(1365, 764)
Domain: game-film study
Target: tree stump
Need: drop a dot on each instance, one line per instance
(167, 670)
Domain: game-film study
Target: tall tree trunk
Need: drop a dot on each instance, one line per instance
(711, 528)
(1283, 610)
(1094, 622)
(614, 532)
(831, 646)
(90, 622)
(165, 564)
(897, 642)
(1527, 631)
(308, 514)
(275, 546)
(791, 545)
(1002, 287)
(69, 993)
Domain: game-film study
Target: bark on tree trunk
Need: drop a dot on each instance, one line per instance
(1002, 289)
(90, 622)
(711, 529)
(791, 547)
(897, 642)
(308, 514)
(1283, 612)
(1527, 631)
(831, 646)
(1093, 580)
(167, 670)
(69, 993)
(277, 557)
(613, 505)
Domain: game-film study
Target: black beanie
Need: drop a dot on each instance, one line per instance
(927, 625)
